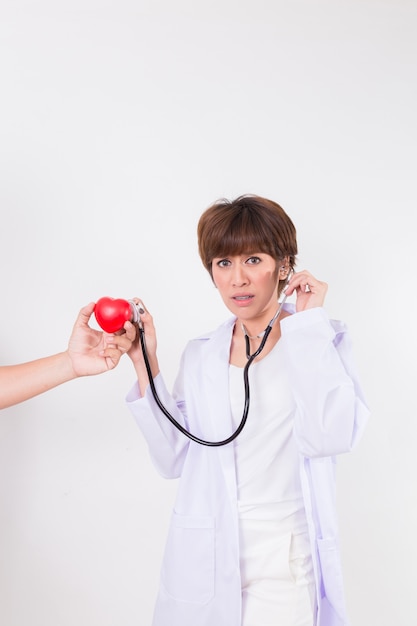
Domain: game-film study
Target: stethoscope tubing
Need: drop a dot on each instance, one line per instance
(250, 359)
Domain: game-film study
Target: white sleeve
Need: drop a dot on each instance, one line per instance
(167, 446)
(331, 411)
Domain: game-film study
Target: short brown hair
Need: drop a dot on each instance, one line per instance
(245, 225)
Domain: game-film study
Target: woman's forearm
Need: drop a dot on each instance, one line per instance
(142, 373)
(25, 380)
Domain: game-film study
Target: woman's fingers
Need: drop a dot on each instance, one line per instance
(310, 291)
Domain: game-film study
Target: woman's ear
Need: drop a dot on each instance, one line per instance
(284, 268)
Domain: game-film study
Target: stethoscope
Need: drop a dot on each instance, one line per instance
(250, 358)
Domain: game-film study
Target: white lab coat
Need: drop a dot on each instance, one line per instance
(200, 579)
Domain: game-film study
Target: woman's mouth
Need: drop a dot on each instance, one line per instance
(243, 299)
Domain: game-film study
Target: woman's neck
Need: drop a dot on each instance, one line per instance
(238, 348)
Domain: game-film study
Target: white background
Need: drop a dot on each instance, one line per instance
(121, 121)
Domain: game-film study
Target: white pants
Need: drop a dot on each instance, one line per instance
(278, 586)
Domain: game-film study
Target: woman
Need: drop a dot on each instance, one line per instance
(253, 536)
(89, 352)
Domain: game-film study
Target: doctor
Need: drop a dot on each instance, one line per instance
(253, 538)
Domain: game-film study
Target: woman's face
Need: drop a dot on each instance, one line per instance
(248, 284)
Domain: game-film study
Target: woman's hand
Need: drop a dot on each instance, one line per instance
(135, 352)
(310, 292)
(146, 321)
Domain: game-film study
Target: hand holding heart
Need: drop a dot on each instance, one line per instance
(114, 314)
(93, 351)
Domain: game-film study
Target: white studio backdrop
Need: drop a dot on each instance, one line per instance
(120, 123)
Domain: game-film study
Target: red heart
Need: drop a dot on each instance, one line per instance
(111, 314)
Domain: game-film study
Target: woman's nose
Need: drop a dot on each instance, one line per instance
(239, 277)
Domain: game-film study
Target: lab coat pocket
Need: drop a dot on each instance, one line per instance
(188, 567)
(331, 573)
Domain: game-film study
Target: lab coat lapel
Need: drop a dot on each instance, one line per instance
(217, 390)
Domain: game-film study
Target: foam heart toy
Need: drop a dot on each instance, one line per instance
(111, 313)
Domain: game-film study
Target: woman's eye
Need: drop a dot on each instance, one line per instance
(253, 260)
(223, 263)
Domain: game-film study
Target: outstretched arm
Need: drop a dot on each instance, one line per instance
(89, 352)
